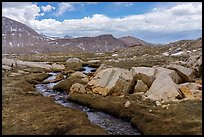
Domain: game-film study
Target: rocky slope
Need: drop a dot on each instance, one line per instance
(19, 38)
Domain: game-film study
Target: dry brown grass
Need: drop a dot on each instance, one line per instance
(180, 118)
(25, 112)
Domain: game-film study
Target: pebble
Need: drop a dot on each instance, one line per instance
(127, 104)
(158, 103)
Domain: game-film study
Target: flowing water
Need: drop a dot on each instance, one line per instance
(88, 69)
(113, 125)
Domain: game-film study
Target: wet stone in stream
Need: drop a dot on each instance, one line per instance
(113, 125)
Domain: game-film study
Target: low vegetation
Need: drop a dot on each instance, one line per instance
(178, 118)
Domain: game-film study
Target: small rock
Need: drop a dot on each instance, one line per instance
(158, 103)
(94, 61)
(56, 66)
(165, 106)
(127, 104)
(78, 88)
(59, 76)
(122, 96)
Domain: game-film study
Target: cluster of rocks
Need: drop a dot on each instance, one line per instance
(173, 82)
(15, 62)
(8, 64)
(161, 84)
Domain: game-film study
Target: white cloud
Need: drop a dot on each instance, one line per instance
(126, 4)
(174, 19)
(157, 21)
(47, 8)
(21, 11)
(17, 5)
(63, 7)
(82, 2)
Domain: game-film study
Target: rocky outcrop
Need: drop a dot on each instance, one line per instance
(70, 60)
(186, 74)
(163, 89)
(146, 74)
(112, 81)
(78, 88)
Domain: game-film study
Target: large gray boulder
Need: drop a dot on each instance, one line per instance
(186, 74)
(112, 81)
(172, 73)
(163, 89)
(146, 74)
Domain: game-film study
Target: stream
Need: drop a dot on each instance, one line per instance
(114, 126)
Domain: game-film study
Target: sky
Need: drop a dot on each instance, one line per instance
(155, 22)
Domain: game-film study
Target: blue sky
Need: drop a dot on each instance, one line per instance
(111, 9)
(156, 22)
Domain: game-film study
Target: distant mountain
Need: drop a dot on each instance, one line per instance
(17, 34)
(49, 37)
(19, 38)
(132, 41)
(100, 43)
(68, 37)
